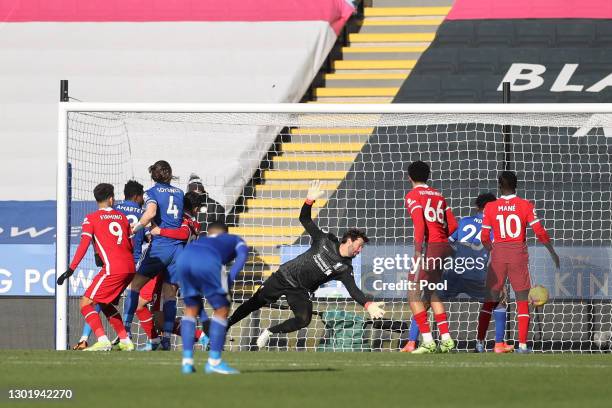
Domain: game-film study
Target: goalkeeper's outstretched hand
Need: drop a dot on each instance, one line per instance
(375, 309)
(65, 276)
(314, 191)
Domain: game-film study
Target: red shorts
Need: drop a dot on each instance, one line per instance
(512, 263)
(152, 291)
(432, 265)
(106, 288)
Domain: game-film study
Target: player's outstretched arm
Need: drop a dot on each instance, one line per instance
(182, 233)
(242, 254)
(374, 308)
(146, 218)
(76, 260)
(314, 193)
(542, 235)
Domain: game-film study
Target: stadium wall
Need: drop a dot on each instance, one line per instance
(142, 51)
(549, 50)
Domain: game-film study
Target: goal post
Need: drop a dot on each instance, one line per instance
(256, 159)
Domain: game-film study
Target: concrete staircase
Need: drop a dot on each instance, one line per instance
(380, 56)
(377, 59)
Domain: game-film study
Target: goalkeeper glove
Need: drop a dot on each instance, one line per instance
(65, 276)
(375, 309)
(314, 191)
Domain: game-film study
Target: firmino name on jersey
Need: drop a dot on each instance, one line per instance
(111, 216)
(167, 190)
(506, 208)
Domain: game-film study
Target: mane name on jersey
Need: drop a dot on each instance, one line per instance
(506, 208)
(111, 216)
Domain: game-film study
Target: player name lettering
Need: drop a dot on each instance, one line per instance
(167, 190)
(506, 208)
(123, 207)
(431, 193)
(111, 216)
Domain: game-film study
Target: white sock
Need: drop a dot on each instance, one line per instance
(523, 346)
(214, 361)
(427, 337)
(446, 336)
(83, 338)
(126, 340)
(103, 338)
(188, 361)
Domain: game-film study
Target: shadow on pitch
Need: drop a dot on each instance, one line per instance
(290, 370)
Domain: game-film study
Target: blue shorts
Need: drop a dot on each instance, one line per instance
(201, 274)
(457, 284)
(160, 259)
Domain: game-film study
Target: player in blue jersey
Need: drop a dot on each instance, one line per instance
(131, 206)
(469, 273)
(133, 192)
(164, 208)
(201, 273)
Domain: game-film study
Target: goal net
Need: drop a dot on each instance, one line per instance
(256, 161)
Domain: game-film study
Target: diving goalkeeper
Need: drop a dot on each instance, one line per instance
(327, 259)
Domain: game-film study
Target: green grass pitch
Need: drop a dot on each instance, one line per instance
(292, 379)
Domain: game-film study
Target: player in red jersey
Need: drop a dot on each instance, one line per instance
(433, 223)
(152, 291)
(508, 217)
(110, 231)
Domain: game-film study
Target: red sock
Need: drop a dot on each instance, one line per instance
(421, 320)
(114, 318)
(146, 322)
(523, 319)
(93, 320)
(484, 318)
(442, 323)
(198, 333)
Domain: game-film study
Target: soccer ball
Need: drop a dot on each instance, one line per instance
(602, 339)
(538, 295)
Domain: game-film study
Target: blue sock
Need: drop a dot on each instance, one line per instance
(188, 325)
(413, 334)
(500, 324)
(129, 308)
(86, 328)
(169, 316)
(218, 328)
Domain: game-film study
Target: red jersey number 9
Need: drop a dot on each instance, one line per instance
(115, 229)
